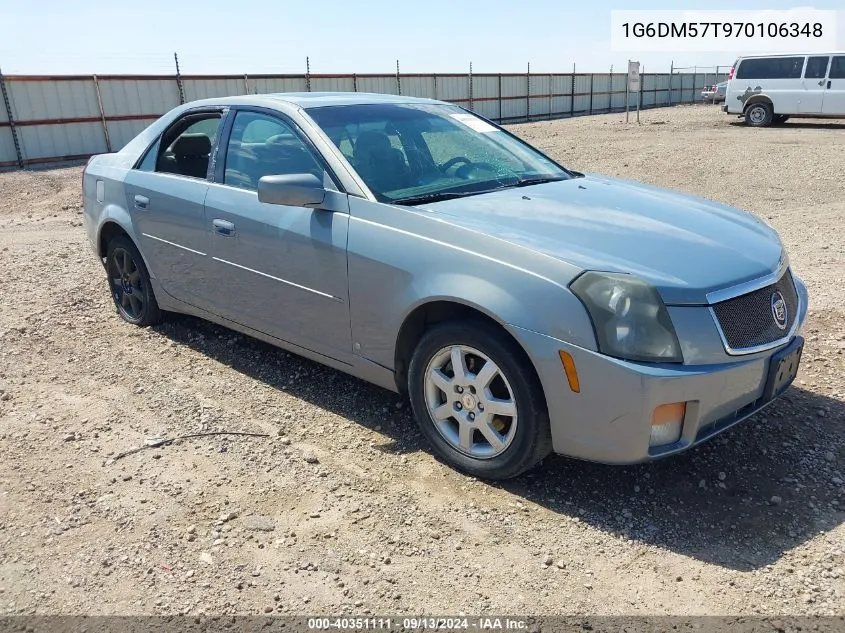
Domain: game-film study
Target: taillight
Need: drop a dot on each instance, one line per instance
(731, 73)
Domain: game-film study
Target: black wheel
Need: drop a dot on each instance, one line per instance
(129, 283)
(477, 400)
(759, 114)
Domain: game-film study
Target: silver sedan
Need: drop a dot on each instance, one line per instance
(715, 93)
(524, 307)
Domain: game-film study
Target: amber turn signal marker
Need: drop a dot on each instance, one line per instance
(669, 413)
(571, 372)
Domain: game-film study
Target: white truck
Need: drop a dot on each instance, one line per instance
(768, 89)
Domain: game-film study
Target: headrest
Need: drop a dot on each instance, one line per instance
(192, 145)
(372, 142)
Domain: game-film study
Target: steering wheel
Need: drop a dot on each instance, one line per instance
(467, 166)
(457, 160)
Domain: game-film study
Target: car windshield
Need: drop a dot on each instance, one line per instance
(415, 153)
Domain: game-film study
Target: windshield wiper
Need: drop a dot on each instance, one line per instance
(536, 180)
(451, 195)
(439, 197)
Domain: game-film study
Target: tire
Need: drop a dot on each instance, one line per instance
(129, 283)
(491, 446)
(759, 114)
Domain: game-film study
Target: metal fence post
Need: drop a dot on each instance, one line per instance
(354, 82)
(434, 76)
(640, 93)
(102, 113)
(528, 93)
(500, 97)
(179, 80)
(308, 74)
(592, 77)
(12, 127)
(470, 86)
(246, 83)
(671, 72)
(572, 93)
(398, 82)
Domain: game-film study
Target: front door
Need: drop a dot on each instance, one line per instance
(813, 85)
(278, 269)
(834, 98)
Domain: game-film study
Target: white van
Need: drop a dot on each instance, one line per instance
(768, 89)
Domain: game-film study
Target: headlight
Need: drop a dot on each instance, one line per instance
(629, 317)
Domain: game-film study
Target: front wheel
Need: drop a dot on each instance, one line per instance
(129, 282)
(759, 114)
(477, 401)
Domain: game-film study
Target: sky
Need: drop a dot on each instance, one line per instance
(339, 36)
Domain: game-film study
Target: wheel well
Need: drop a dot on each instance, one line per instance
(757, 99)
(109, 231)
(429, 314)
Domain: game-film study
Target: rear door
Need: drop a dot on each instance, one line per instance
(834, 98)
(278, 269)
(166, 196)
(814, 84)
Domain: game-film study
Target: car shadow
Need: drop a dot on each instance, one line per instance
(738, 501)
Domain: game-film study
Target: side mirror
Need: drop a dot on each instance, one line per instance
(294, 190)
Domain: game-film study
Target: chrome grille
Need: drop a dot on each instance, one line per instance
(747, 321)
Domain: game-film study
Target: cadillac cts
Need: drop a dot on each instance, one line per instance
(524, 307)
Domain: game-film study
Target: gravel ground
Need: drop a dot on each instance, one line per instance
(342, 509)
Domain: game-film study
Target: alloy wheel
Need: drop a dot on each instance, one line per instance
(126, 284)
(470, 401)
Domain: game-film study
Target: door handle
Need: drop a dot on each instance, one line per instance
(141, 202)
(828, 85)
(224, 228)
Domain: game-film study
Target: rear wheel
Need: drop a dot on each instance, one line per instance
(129, 282)
(477, 401)
(759, 114)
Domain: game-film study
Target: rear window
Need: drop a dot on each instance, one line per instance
(770, 68)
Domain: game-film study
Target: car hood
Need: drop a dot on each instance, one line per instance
(685, 246)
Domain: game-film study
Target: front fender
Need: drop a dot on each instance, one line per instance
(400, 260)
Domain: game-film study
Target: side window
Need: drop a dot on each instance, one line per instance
(149, 161)
(770, 68)
(816, 68)
(262, 145)
(185, 147)
(837, 68)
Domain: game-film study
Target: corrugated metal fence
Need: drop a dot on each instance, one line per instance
(64, 118)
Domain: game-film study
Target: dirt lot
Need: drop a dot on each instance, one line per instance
(342, 509)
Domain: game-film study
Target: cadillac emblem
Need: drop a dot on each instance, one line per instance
(779, 310)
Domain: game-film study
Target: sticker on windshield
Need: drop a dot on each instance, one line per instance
(473, 122)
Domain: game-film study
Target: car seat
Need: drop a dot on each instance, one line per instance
(382, 166)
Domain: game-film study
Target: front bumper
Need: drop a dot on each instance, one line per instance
(610, 419)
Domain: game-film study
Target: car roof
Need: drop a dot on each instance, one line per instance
(315, 99)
